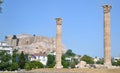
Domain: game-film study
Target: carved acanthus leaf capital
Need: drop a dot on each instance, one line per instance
(106, 8)
(59, 21)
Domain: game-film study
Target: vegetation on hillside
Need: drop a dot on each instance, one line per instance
(16, 61)
(51, 61)
(87, 59)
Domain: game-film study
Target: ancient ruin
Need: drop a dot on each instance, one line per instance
(58, 43)
(33, 44)
(107, 47)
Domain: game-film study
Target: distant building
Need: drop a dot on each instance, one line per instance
(68, 59)
(51, 53)
(116, 59)
(39, 57)
(77, 57)
(96, 59)
(5, 47)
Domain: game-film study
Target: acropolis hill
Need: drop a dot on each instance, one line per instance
(32, 44)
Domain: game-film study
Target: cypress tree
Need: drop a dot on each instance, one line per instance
(21, 61)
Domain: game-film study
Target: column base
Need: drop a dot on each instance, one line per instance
(108, 65)
(58, 66)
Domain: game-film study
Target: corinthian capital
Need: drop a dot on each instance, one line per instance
(59, 21)
(106, 8)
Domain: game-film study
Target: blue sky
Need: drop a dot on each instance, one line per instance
(82, 22)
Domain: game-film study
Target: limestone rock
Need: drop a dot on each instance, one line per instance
(33, 44)
(82, 64)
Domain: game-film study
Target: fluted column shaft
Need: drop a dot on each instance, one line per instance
(58, 43)
(107, 43)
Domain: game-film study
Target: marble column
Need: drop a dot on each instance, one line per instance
(107, 46)
(58, 43)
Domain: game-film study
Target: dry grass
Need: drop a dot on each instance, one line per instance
(84, 70)
(52, 70)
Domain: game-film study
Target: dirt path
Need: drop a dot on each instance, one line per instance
(84, 70)
(75, 71)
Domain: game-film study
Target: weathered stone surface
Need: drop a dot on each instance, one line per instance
(82, 64)
(58, 43)
(33, 44)
(107, 46)
(99, 66)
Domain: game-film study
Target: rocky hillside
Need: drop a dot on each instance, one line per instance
(33, 44)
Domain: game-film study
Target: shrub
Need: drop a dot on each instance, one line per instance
(33, 65)
(36, 64)
(88, 59)
(14, 66)
(28, 66)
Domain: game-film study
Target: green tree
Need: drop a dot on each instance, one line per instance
(101, 61)
(76, 61)
(15, 56)
(51, 61)
(5, 57)
(1, 1)
(22, 60)
(5, 60)
(88, 59)
(33, 65)
(65, 63)
(117, 63)
(26, 58)
(72, 64)
(14, 66)
(70, 53)
(28, 66)
(36, 64)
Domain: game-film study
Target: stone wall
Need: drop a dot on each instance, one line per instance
(33, 44)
